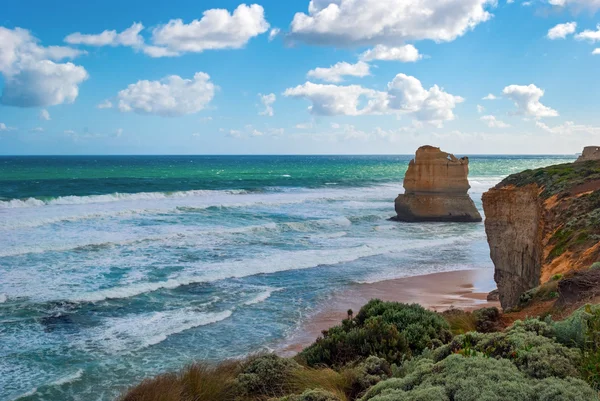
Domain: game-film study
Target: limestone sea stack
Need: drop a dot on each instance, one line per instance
(589, 153)
(436, 187)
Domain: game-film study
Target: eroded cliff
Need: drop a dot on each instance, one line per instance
(543, 222)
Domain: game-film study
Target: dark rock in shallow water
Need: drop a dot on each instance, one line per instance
(436, 188)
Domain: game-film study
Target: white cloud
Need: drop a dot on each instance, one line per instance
(308, 125)
(267, 101)
(43, 83)
(596, 51)
(561, 31)
(337, 72)
(592, 36)
(4, 127)
(171, 96)
(490, 96)
(31, 76)
(44, 115)
(206, 119)
(333, 100)
(129, 37)
(527, 100)
(493, 122)
(389, 22)
(118, 132)
(432, 105)
(405, 54)
(217, 29)
(274, 33)
(404, 95)
(569, 128)
(37, 129)
(480, 109)
(577, 5)
(107, 104)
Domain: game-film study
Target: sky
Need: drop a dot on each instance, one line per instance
(298, 76)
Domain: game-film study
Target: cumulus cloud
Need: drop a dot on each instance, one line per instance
(404, 95)
(274, 33)
(334, 100)
(32, 78)
(490, 96)
(44, 115)
(107, 104)
(432, 105)
(596, 51)
(171, 96)
(405, 54)
(267, 101)
(129, 37)
(561, 31)
(389, 22)
(480, 109)
(592, 36)
(527, 100)
(493, 122)
(43, 83)
(37, 129)
(337, 72)
(217, 29)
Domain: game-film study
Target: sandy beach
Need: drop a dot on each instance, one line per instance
(464, 289)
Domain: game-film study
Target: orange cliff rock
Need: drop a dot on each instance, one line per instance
(436, 187)
(540, 223)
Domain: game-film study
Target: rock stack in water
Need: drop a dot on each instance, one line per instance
(436, 186)
(590, 153)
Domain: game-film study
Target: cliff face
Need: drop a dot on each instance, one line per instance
(542, 222)
(436, 186)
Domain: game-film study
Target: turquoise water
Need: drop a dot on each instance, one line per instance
(113, 269)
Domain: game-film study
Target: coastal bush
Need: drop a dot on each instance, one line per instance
(266, 375)
(477, 378)
(389, 330)
(535, 355)
(486, 319)
(312, 395)
(595, 266)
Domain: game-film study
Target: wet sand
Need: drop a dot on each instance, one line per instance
(464, 289)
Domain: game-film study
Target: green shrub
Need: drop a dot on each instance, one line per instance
(535, 355)
(266, 375)
(557, 277)
(595, 266)
(312, 395)
(389, 330)
(486, 319)
(477, 378)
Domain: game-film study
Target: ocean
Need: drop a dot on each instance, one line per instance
(116, 268)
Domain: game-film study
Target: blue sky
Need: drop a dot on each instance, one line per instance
(224, 77)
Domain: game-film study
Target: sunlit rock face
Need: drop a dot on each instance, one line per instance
(436, 186)
(590, 153)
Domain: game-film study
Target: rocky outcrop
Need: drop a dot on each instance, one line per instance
(436, 186)
(590, 153)
(540, 223)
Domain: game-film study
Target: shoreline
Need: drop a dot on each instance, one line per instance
(461, 289)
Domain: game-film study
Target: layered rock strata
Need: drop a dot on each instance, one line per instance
(436, 187)
(540, 223)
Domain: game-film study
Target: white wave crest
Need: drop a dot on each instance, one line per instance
(114, 197)
(73, 377)
(3, 298)
(265, 264)
(263, 296)
(131, 333)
